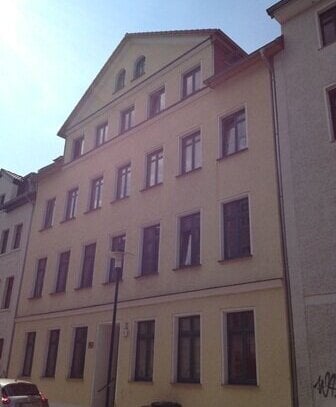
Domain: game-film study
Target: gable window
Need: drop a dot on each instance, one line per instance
(78, 356)
(71, 204)
(150, 250)
(8, 292)
(117, 245)
(29, 354)
(4, 241)
(127, 119)
(96, 193)
(190, 240)
(139, 67)
(144, 351)
(88, 265)
(50, 368)
(124, 181)
(17, 236)
(63, 267)
(328, 26)
(241, 354)
(332, 104)
(236, 229)
(101, 134)
(154, 174)
(188, 353)
(191, 82)
(233, 133)
(120, 80)
(49, 213)
(191, 152)
(40, 272)
(157, 102)
(77, 147)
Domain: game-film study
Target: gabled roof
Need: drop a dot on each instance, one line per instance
(10, 174)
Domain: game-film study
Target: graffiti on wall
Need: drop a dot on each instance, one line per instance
(326, 385)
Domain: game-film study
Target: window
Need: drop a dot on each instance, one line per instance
(127, 119)
(4, 241)
(41, 268)
(1, 347)
(236, 229)
(188, 355)
(71, 204)
(29, 354)
(332, 103)
(17, 236)
(49, 213)
(156, 102)
(63, 267)
(78, 357)
(191, 82)
(124, 181)
(328, 26)
(190, 240)
(233, 133)
(8, 292)
(139, 67)
(154, 174)
(241, 356)
(96, 193)
(52, 353)
(117, 245)
(150, 250)
(191, 152)
(77, 147)
(88, 265)
(2, 199)
(101, 134)
(144, 351)
(120, 80)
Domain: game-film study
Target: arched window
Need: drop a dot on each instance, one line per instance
(139, 67)
(120, 81)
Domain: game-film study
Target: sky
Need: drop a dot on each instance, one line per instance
(51, 50)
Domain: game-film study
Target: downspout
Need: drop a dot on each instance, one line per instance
(283, 235)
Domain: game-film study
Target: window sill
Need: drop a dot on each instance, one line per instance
(241, 385)
(123, 131)
(151, 187)
(47, 377)
(106, 283)
(188, 172)
(82, 288)
(198, 384)
(92, 210)
(35, 298)
(45, 228)
(56, 293)
(142, 381)
(185, 97)
(75, 379)
(225, 157)
(151, 116)
(137, 77)
(191, 266)
(119, 199)
(246, 257)
(140, 276)
(4, 310)
(322, 47)
(67, 220)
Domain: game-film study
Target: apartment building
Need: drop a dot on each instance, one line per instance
(170, 158)
(17, 196)
(305, 83)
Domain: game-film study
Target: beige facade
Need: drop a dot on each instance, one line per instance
(209, 288)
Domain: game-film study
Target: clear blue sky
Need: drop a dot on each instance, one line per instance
(50, 51)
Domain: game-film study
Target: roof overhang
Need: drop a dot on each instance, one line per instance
(284, 10)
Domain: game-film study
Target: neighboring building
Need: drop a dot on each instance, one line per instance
(17, 195)
(305, 75)
(169, 157)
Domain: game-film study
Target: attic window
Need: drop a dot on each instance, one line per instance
(139, 67)
(120, 81)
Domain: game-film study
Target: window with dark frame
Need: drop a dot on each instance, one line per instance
(241, 355)
(124, 181)
(8, 292)
(236, 229)
(191, 152)
(1, 347)
(96, 193)
(2, 199)
(62, 275)
(50, 367)
(49, 213)
(17, 236)
(29, 354)
(71, 204)
(190, 241)
(127, 119)
(150, 250)
(332, 103)
(40, 272)
(139, 67)
(78, 356)
(328, 26)
(188, 353)
(157, 102)
(233, 133)
(117, 245)
(88, 265)
(191, 82)
(144, 351)
(4, 241)
(101, 134)
(154, 173)
(77, 147)
(120, 80)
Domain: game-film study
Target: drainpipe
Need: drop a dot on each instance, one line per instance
(283, 236)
